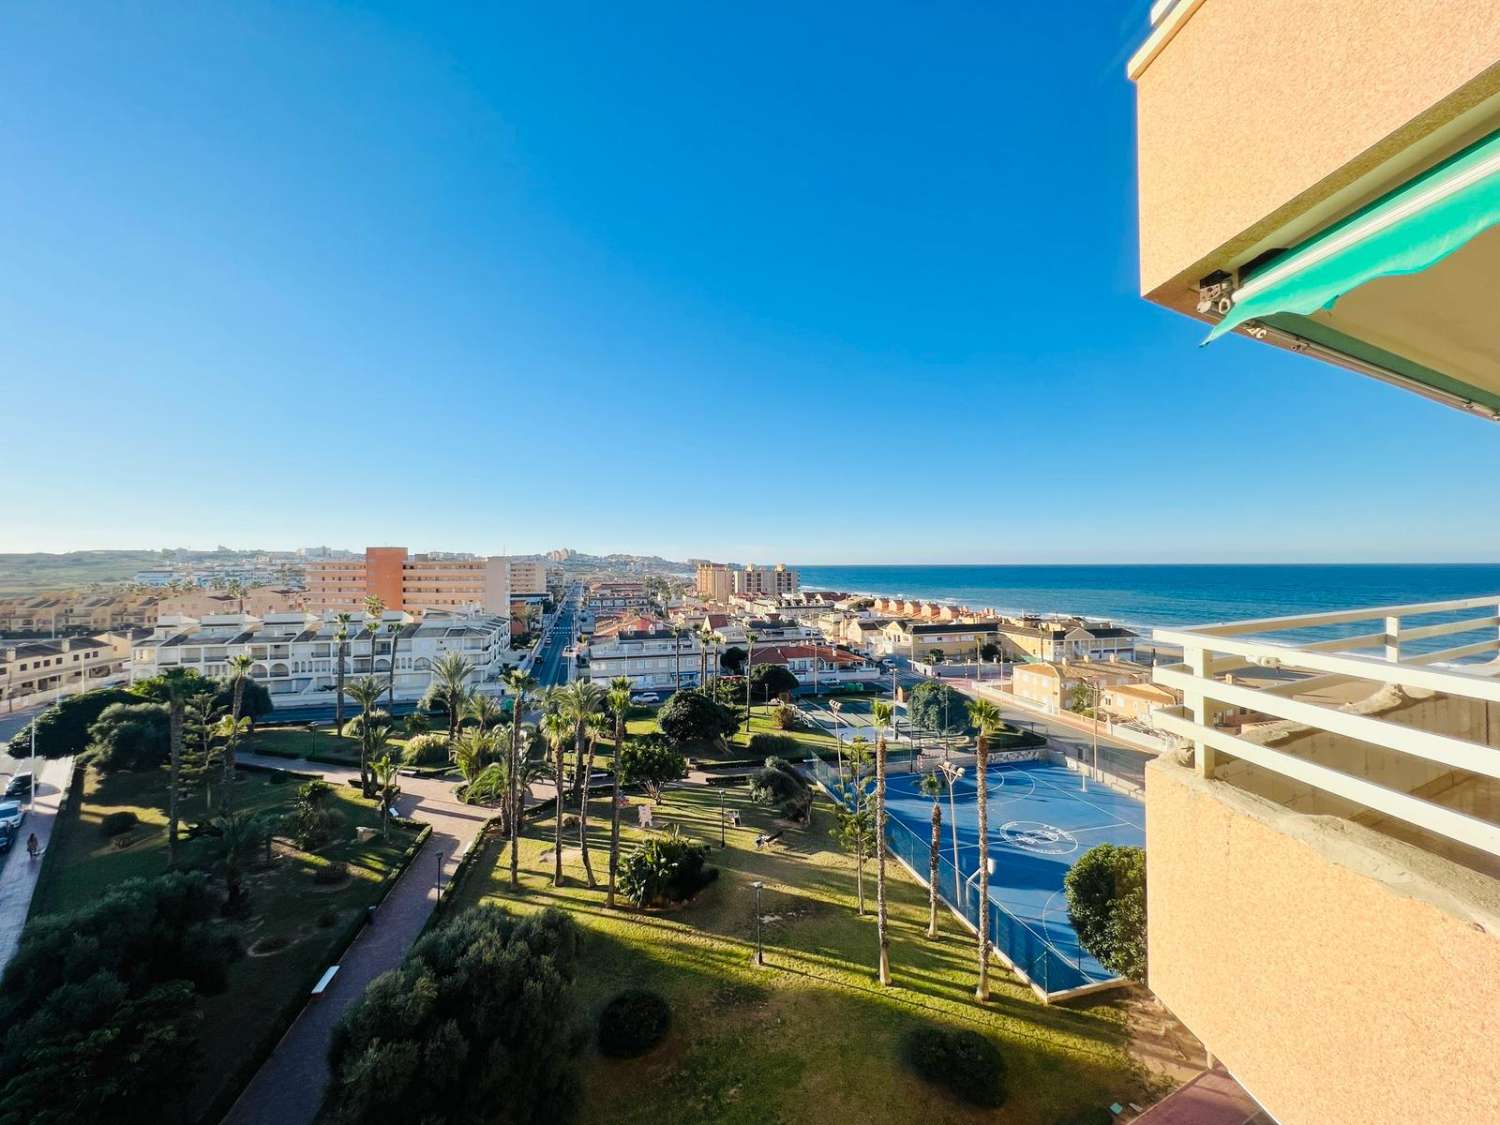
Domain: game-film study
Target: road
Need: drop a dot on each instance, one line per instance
(552, 664)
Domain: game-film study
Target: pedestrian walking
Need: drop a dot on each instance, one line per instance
(32, 847)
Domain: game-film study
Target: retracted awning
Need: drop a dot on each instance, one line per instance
(1409, 285)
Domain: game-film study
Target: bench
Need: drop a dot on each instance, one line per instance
(325, 980)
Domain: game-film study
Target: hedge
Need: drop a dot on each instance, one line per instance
(964, 1063)
(632, 1023)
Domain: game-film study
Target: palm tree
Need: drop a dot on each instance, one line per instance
(236, 589)
(366, 691)
(414, 724)
(239, 668)
(580, 699)
(619, 706)
(558, 731)
(450, 675)
(177, 684)
(882, 712)
(394, 629)
(374, 607)
(859, 757)
(484, 711)
(520, 683)
(749, 664)
(470, 750)
(596, 726)
(341, 652)
(932, 788)
(387, 784)
(986, 716)
(240, 836)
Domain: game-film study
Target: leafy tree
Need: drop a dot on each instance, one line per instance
(479, 1023)
(98, 1005)
(202, 746)
(989, 652)
(63, 728)
(727, 690)
(986, 717)
(1106, 892)
(1078, 698)
(178, 685)
(778, 785)
(732, 659)
(692, 718)
(652, 764)
(854, 829)
(936, 706)
(129, 736)
(935, 656)
(768, 681)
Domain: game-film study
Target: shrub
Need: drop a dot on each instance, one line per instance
(479, 1022)
(650, 763)
(779, 786)
(1106, 891)
(784, 718)
(632, 1023)
(777, 745)
(328, 874)
(666, 869)
(312, 822)
(425, 750)
(770, 680)
(129, 736)
(117, 822)
(964, 1063)
(936, 706)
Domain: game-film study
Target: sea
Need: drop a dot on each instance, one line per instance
(1145, 595)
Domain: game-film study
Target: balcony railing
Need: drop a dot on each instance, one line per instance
(1340, 686)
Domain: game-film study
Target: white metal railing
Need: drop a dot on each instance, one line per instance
(1401, 657)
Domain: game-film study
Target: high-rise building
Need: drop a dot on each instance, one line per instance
(411, 583)
(777, 581)
(527, 576)
(715, 582)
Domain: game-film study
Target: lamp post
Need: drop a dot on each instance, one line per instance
(952, 773)
(838, 733)
(723, 791)
(760, 955)
(440, 874)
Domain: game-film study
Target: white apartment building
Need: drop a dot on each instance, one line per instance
(66, 664)
(652, 659)
(295, 654)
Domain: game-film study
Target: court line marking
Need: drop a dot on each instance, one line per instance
(1090, 804)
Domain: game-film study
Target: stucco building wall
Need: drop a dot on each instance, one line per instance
(1340, 975)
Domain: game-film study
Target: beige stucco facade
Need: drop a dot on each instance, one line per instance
(1263, 119)
(1340, 975)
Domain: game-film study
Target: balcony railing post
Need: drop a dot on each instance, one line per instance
(1393, 639)
(1199, 663)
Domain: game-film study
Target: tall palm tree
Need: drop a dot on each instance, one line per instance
(450, 676)
(619, 707)
(178, 684)
(394, 629)
(471, 750)
(239, 668)
(595, 727)
(341, 654)
(749, 663)
(859, 758)
(366, 691)
(558, 731)
(374, 607)
(882, 712)
(580, 699)
(520, 683)
(932, 788)
(986, 716)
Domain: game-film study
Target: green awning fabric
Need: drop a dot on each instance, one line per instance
(1406, 231)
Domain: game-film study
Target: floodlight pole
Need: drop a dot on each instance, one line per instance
(952, 773)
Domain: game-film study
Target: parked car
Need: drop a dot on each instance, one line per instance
(7, 838)
(11, 814)
(20, 785)
(646, 697)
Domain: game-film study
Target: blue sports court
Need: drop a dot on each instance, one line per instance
(1042, 817)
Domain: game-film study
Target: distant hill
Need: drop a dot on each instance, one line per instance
(21, 574)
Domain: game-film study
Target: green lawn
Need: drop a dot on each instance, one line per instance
(285, 902)
(811, 1037)
(304, 742)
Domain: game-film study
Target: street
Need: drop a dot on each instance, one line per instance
(552, 664)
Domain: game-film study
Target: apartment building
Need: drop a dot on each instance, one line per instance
(817, 665)
(529, 576)
(1053, 686)
(1324, 887)
(409, 583)
(72, 612)
(257, 601)
(918, 640)
(649, 654)
(617, 597)
(759, 581)
(65, 664)
(714, 582)
(1039, 639)
(296, 654)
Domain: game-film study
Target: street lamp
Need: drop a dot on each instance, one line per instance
(952, 773)
(760, 955)
(723, 791)
(838, 733)
(440, 874)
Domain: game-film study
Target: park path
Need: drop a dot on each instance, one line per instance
(289, 1086)
(19, 875)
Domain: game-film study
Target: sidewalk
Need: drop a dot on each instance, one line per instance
(288, 1088)
(19, 875)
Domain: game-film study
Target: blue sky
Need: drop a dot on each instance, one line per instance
(829, 283)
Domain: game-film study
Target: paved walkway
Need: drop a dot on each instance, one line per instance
(18, 876)
(288, 1088)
